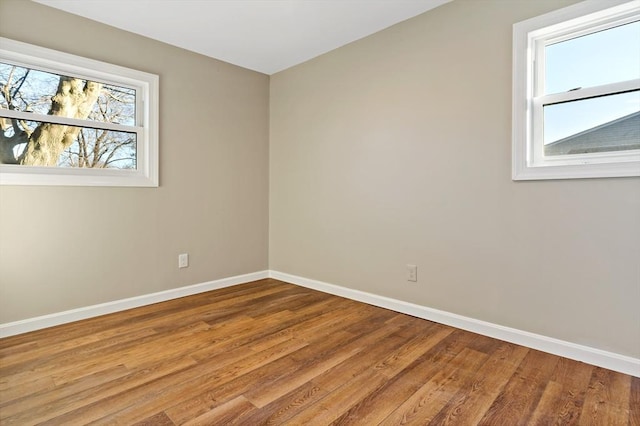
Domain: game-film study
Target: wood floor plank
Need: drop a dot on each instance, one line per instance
(186, 408)
(481, 387)
(339, 401)
(634, 402)
(401, 362)
(231, 334)
(376, 406)
(50, 406)
(73, 366)
(61, 355)
(160, 419)
(169, 312)
(322, 349)
(16, 345)
(561, 402)
(428, 400)
(516, 402)
(269, 392)
(332, 378)
(272, 353)
(223, 391)
(278, 322)
(223, 414)
(149, 398)
(41, 395)
(407, 353)
(107, 340)
(281, 410)
(10, 391)
(607, 398)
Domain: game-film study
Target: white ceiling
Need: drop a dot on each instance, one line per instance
(263, 35)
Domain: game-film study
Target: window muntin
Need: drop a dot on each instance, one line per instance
(110, 133)
(566, 92)
(569, 119)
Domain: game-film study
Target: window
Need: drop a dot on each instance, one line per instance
(576, 92)
(67, 120)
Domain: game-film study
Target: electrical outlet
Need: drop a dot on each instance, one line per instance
(183, 260)
(412, 273)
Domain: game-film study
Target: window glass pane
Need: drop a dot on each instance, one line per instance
(604, 57)
(72, 147)
(608, 123)
(30, 90)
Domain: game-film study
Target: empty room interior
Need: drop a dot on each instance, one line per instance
(348, 238)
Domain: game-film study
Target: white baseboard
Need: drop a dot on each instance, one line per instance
(45, 321)
(609, 360)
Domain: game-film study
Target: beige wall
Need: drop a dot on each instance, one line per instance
(66, 247)
(396, 149)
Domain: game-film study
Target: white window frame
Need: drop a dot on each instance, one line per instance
(146, 127)
(529, 39)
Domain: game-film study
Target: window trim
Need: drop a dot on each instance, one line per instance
(147, 114)
(529, 36)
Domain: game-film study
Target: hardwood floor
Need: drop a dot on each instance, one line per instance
(273, 353)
